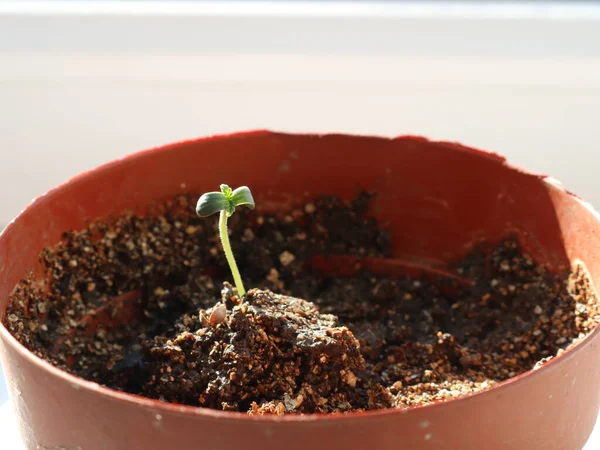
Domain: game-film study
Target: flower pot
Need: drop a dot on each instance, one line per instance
(438, 199)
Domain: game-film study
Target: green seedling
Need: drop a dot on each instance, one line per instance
(225, 202)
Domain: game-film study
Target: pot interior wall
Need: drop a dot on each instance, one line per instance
(437, 199)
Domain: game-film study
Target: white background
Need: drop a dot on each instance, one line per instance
(84, 82)
(97, 80)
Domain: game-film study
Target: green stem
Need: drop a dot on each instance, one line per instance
(229, 254)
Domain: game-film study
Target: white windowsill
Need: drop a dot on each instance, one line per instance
(484, 28)
(84, 82)
(311, 8)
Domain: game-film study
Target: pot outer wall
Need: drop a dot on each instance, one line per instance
(437, 199)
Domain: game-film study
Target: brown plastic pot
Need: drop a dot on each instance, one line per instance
(438, 199)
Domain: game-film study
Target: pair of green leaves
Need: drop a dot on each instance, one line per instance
(226, 200)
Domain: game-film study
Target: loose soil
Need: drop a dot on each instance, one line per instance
(142, 305)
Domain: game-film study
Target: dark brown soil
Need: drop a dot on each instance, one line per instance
(267, 347)
(139, 304)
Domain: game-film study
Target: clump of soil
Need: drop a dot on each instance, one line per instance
(267, 346)
(134, 303)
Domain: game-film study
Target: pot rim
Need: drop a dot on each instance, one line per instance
(177, 409)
